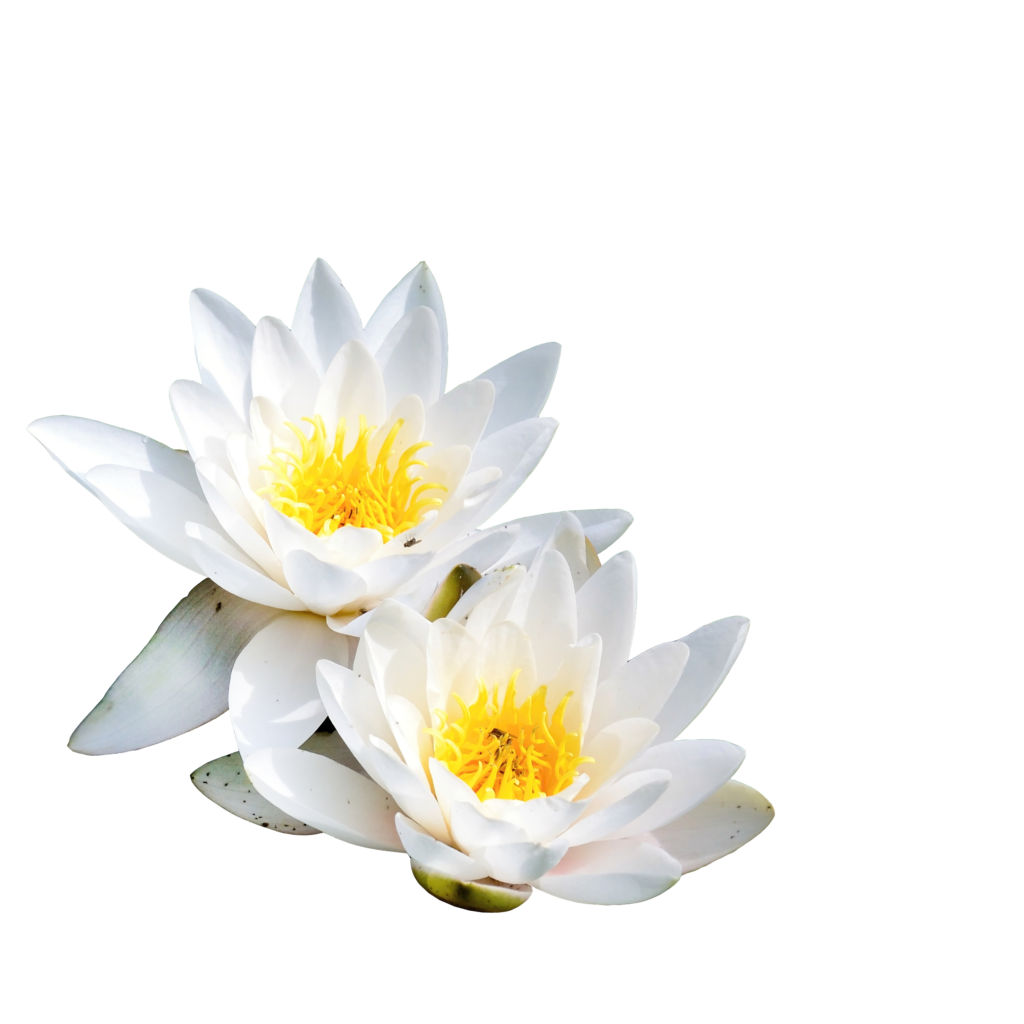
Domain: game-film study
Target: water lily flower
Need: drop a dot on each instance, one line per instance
(511, 743)
(327, 468)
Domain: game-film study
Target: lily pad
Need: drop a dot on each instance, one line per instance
(485, 895)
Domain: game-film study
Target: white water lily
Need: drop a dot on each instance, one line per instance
(327, 468)
(511, 741)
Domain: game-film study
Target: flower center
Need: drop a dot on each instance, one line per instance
(509, 752)
(326, 490)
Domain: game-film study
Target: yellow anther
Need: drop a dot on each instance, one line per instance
(324, 489)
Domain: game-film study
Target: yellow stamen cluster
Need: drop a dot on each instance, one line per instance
(325, 489)
(509, 752)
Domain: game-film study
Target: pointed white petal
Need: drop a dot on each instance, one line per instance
(385, 576)
(726, 820)
(606, 604)
(232, 570)
(613, 748)
(612, 872)
(281, 371)
(273, 696)
(223, 339)
(410, 358)
(545, 607)
(713, 650)
(352, 387)
(619, 804)
(425, 850)
(541, 820)
(522, 384)
(179, 680)
(323, 588)
(326, 795)
(641, 687)
(325, 317)
(417, 288)
(205, 421)
(601, 526)
(698, 768)
(516, 450)
(410, 791)
(459, 417)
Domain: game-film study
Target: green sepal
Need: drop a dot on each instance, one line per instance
(485, 895)
(455, 584)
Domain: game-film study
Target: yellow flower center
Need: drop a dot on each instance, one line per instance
(509, 752)
(326, 490)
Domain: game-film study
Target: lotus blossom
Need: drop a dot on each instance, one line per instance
(327, 468)
(511, 743)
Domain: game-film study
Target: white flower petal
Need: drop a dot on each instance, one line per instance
(472, 829)
(545, 607)
(569, 540)
(460, 416)
(351, 546)
(225, 567)
(484, 588)
(577, 675)
(384, 576)
(223, 338)
(352, 387)
(506, 651)
(641, 687)
(327, 795)
(726, 820)
(273, 697)
(713, 650)
(516, 863)
(205, 421)
(449, 789)
(355, 711)
(516, 450)
(698, 767)
(325, 317)
(410, 358)
(398, 662)
(522, 384)
(179, 680)
(495, 607)
(612, 872)
(452, 656)
(481, 550)
(281, 371)
(606, 604)
(154, 508)
(408, 409)
(410, 732)
(619, 804)
(602, 527)
(613, 748)
(417, 288)
(425, 850)
(410, 791)
(322, 587)
(541, 819)
(237, 518)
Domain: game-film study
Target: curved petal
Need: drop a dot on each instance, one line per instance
(154, 508)
(384, 576)
(612, 872)
(460, 416)
(424, 849)
(616, 806)
(417, 288)
(713, 650)
(516, 450)
(410, 358)
(613, 748)
(281, 371)
(698, 769)
(351, 387)
(606, 604)
(223, 338)
(326, 795)
(205, 422)
(522, 384)
(516, 863)
(323, 588)
(273, 696)
(726, 820)
(224, 566)
(545, 607)
(641, 687)
(179, 680)
(540, 820)
(325, 316)
(601, 526)
(411, 792)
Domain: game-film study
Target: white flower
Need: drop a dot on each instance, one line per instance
(327, 468)
(511, 740)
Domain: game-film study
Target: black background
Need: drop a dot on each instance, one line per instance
(660, 413)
